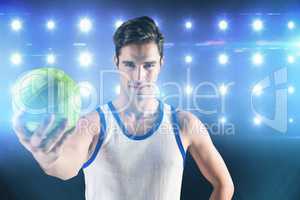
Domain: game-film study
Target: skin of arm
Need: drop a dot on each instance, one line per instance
(76, 148)
(206, 156)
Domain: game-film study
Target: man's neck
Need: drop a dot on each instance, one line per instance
(135, 108)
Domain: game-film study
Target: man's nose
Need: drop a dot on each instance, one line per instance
(139, 73)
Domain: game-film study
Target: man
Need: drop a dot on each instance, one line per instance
(134, 146)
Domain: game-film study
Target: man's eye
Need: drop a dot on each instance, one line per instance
(129, 65)
(148, 65)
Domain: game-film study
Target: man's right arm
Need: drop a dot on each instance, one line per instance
(62, 156)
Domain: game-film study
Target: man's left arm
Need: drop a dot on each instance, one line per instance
(206, 156)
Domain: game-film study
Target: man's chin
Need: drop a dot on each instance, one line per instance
(143, 97)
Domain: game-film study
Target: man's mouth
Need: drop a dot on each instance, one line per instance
(141, 89)
(138, 86)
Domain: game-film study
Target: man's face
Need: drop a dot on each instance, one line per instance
(139, 67)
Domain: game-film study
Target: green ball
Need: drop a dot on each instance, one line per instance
(44, 91)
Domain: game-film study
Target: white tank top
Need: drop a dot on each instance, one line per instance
(136, 167)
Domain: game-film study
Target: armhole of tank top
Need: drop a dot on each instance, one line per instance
(176, 130)
(101, 138)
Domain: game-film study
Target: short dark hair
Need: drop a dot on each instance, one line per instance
(138, 30)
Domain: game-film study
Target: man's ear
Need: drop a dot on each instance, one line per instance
(116, 61)
(161, 61)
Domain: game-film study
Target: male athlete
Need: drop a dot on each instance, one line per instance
(133, 147)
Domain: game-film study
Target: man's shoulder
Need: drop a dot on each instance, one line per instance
(190, 126)
(186, 122)
(186, 117)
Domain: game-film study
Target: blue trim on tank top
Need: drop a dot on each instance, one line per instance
(176, 130)
(101, 138)
(137, 137)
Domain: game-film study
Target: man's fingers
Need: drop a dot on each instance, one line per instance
(59, 145)
(41, 132)
(19, 127)
(21, 131)
(56, 137)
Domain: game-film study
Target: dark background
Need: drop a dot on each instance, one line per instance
(261, 168)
